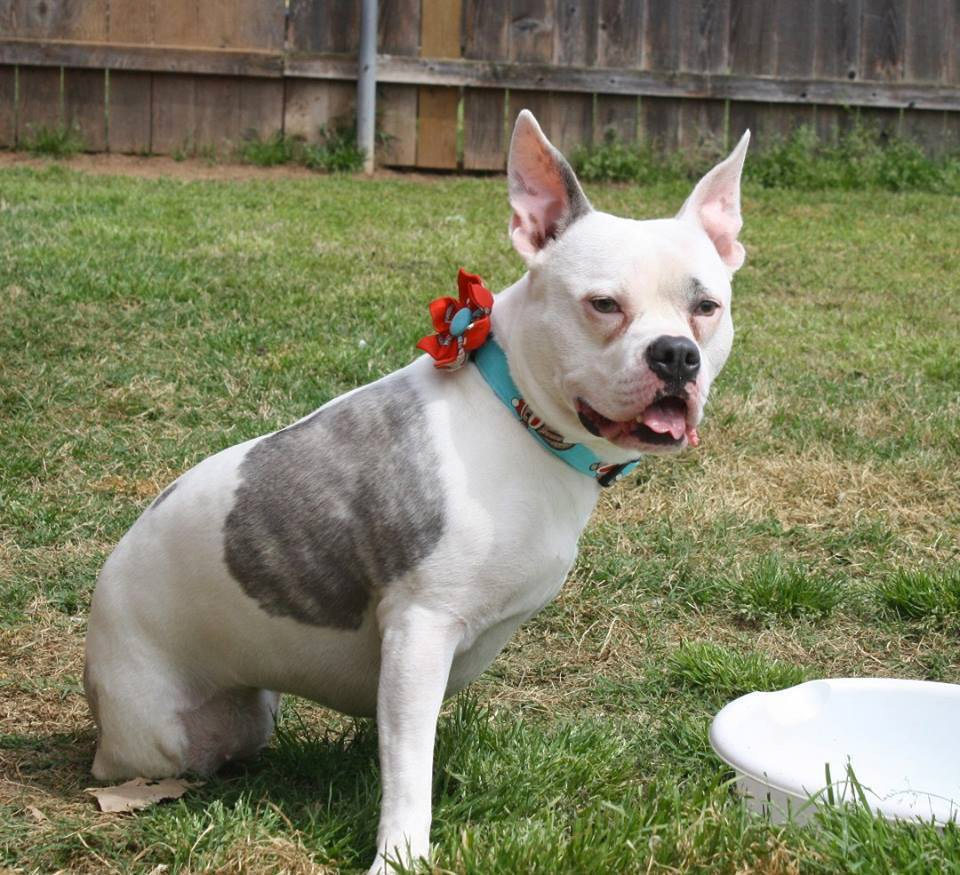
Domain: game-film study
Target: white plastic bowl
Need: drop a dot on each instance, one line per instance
(900, 738)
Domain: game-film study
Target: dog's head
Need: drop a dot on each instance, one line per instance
(620, 326)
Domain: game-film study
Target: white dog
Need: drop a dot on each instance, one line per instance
(378, 554)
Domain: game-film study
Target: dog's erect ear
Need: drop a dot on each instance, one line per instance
(544, 192)
(715, 205)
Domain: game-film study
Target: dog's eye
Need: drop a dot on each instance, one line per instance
(605, 305)
(706, 308)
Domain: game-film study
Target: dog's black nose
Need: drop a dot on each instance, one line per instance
(674, 359)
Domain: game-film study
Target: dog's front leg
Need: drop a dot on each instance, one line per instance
(417, 649)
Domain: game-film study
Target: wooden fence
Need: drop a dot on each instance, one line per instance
(167, 75)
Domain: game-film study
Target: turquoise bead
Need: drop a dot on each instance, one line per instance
(461, 321)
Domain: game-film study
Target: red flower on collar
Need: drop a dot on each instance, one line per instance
(462, 325)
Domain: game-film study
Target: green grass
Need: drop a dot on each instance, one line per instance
(53, 142)
(146, 324)
(860, 157)
(336, 152)
(923, 595)
(769, 590)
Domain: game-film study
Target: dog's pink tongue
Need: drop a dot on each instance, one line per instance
(666, 419)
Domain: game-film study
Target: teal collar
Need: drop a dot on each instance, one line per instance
(491, 361)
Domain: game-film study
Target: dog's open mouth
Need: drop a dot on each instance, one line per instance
(662, 423)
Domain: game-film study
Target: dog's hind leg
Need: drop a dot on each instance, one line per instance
(155, 721)
(230, 725)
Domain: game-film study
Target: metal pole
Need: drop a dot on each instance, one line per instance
(367, 82)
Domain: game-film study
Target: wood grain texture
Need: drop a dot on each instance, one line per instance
(546, 77)
(531, 30)
(753, 35)
(882, 40)
(485, 136)
(39, 104)
(310, 106)
(397, 119)
(172, 120)
(324, 26)
(437, 134)
(177, 22)
(836, 25)
(261, 108)
(576, 31)
(216, 113)
(620, 35)
(926, 128)
(398, 27)
(129, 112)
(833, 121)
(615, 116)
(59, 19)
(437, 107)
(927, 40)
(8, 114)
(485, 31)
(158, 59)
(131, 21)
(85, 106)
(440, 29)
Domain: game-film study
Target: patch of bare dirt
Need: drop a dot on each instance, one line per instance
(187, 169)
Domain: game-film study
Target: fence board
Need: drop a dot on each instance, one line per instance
(951, 132)
(60, 19)
(85, 108)
(485, 31)
(926, 128)
(310, 106)
(926, 40)
(579, 65)
(398, 121)
(8, 116)
(485, 141)
(437, 134)
(615, 116)
(485, 35)
(436, 106)
(531, 30)
(176, 22)
(216, 112)
(836, 25)
(39, 103)
(705, 46)
(619, 40)
(881, 39)
(172, 121)
(324, 26)
(241, 24)
(576, 32)
(832, 121)
(662, 117)
(261, 108)
(129, 111)
(130, 21)
(753, 24)
(398, 27)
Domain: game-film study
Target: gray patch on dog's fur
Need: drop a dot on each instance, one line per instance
(336, 505)
(163, 496)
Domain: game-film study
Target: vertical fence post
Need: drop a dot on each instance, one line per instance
(367, 82)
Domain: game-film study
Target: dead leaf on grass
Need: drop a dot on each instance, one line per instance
(140, 793)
